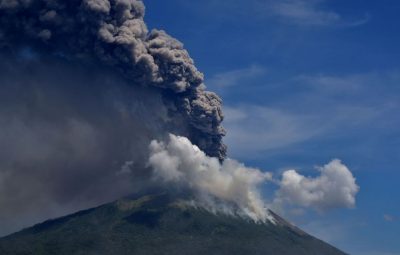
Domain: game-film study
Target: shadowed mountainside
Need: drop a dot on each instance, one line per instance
(159, 225)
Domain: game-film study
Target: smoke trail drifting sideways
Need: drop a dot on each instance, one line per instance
(179, 162)
(233, 188)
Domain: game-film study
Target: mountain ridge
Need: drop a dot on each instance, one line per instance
(158, 224)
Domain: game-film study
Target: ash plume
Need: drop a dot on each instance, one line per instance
(114, 34)
(85, 87)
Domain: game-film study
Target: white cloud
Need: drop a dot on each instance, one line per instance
(308, 108)
(305, 12)
(180, 162)
(388, 218)
(334, 84)
(311, 13)
(252, 130)
(335, 188)
(232, 187)
(315, 13)
(234, 77)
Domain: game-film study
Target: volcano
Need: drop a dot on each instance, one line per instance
(160, 224)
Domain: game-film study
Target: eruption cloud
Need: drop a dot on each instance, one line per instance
(233, 188)
(113, 34)
(181, 163)
(85, 87)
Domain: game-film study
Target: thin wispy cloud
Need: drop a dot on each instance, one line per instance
(388, 218)
(329, 84)
(309, 108)
(305, 12)
(235, 77)
(256, 129)
(316, 13)
(311, 13)
(374, 90)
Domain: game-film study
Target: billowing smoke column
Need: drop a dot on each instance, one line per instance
(93, 107)
(114, 33)
(228, 187)
(84, 89)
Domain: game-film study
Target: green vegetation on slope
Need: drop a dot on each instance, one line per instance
(157, 225)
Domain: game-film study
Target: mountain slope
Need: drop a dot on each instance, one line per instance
(158, 225)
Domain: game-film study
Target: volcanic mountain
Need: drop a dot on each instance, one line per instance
(160, 224)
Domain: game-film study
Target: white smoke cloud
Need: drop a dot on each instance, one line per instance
(180, 162)
(335, 188)
(217, 186)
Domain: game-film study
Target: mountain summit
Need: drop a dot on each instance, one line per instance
(158, 224)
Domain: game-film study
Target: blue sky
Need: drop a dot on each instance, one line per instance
(304, 82)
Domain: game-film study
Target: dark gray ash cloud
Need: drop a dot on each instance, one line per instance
(114, 34)
(84, 88)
